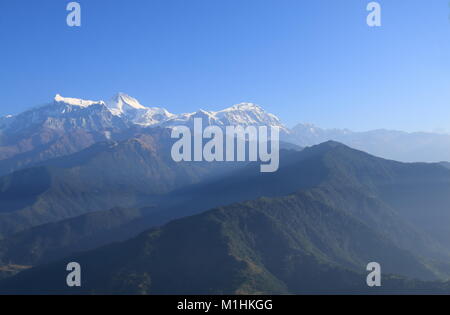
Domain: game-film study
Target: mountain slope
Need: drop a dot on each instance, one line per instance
(329, 178)
(69, 125)
(53, 241)
(131, 109)
(57, 129)
(371, 189)
(367, 187)
(129, 173)
(291, 244)
(244, 114)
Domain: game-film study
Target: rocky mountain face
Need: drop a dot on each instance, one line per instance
(63, 127)
(69, 125)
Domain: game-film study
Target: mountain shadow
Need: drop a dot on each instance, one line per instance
(286, 245)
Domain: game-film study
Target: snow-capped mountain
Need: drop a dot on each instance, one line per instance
(63, 114)
(65, 111)
(62, 127)
(76, 101)
(247, 114)
(244, 114)
(123, 111)
(121, 104)
(128, 107)
(68, 125)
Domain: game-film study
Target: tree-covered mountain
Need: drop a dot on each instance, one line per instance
(133, 172)
(370, 197)
(52, 241)
(409, 201)
(295, 244)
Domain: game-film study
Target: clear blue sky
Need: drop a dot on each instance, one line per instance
(304, 60)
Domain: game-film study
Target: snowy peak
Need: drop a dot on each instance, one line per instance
(152, 116)
(248, 114)
(122, 103)
(244, 114)
(244, 107)
(128, 107)
(75, 101)
(126, 110)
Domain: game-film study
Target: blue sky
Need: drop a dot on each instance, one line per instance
(306, 61)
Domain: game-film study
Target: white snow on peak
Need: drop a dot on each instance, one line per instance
(131, 110)
(152, 116)
(247, 114)
(5, 121)
(75, 101)
(126, 106)
(244, 114)
(122, 103)
(243, 107)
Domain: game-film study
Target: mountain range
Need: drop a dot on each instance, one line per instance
(108, 174)
(325, 214)
(269, 246)
(68, 125)
(94, 182)
(389, 144)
